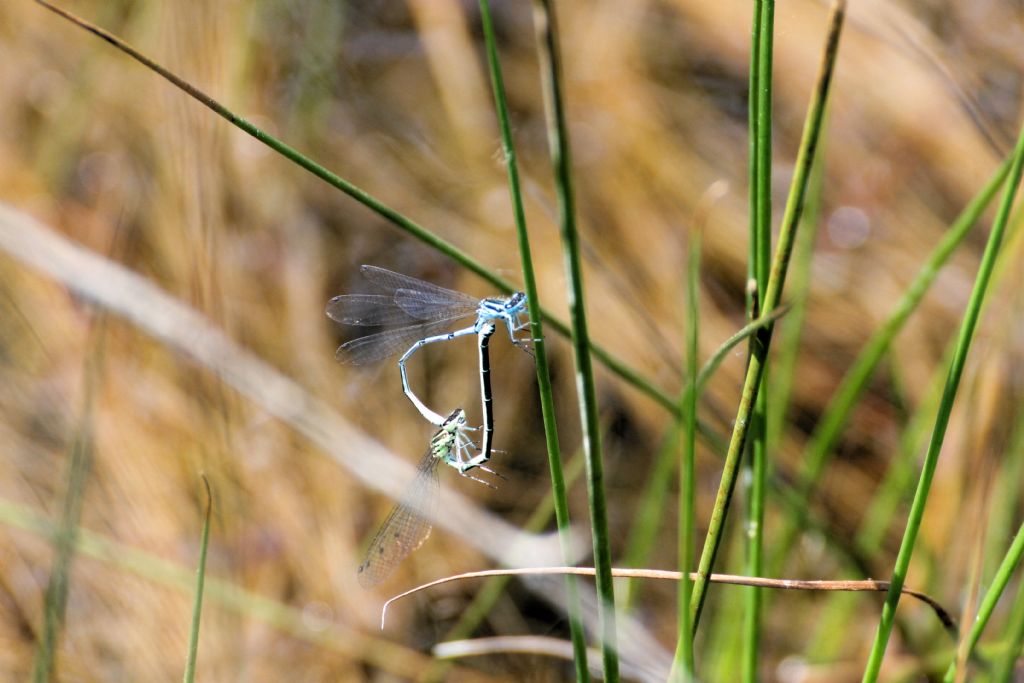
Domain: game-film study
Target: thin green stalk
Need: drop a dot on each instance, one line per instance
(366, 199)
(773, 293)
(988, 604)
(762, 131)
(547, 401)
(477, 610)
(650, 512)
(895, 489)
(684, 664)
(80, 460)
(558, 138)
(722, 651)
(834, 419)
(197, 603)
(334, 636)
(761, 233)
(787, 348)
(1008, 492)
(753, 151)
(745, 332)
(874, 663)
(754, 527)
(1014, 640)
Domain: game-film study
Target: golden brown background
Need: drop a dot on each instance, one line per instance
(394, 96)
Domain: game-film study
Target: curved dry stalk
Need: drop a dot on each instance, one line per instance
(851, 586)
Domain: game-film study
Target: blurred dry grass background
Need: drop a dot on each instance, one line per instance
(394, 97)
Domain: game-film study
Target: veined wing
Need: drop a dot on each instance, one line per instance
(427, 306)
(367, 310)
(375, 347)
(392, 282)
(405, 529)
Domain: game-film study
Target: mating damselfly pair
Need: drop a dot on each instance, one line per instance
(415, 313)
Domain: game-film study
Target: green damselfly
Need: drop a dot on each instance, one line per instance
(408, 524)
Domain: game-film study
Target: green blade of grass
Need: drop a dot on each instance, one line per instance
(773, 293)
(197, 602)
(896, 489)
(80, 460)
(336, 636)
(477, 610)
(404, 223)
(760, 130)
(1014, 640)
(1008, 492)
(745, 332)
(546, 24)
(840, 406)
(913, 526)
(684, 664)
(650, 512)
(988, 603)
(547, 401)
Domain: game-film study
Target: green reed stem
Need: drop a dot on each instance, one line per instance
(1015, 640)
(547, 401)
(335, 636)
(684, 663)
(650, 512)
(988, 603)
(772, 295)
(787, 347)
(546, 23)
(80, 461)
(760, 129)
(839, 408)
(197, 602)
(874, 663)
(477, 610)
(895, 489)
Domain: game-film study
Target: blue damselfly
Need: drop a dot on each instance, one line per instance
(414, 314)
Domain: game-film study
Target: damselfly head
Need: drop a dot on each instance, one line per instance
(516, 302)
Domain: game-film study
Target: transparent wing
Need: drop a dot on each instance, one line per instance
(405, 529)
(376, 347)
(392, 282)
(427, 306)
(368, 309)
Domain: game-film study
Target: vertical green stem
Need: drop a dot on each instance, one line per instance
(80, 461)
(772, 295)
(558, 139)
(836, 414)
(684, 665)
(787, 347)
(760, 237)
(547, 402)
(874, 663)
(988, 604)
(1015, 638)
(197, 602)
(895, 489)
